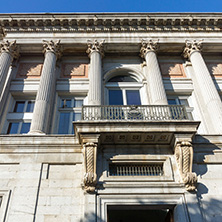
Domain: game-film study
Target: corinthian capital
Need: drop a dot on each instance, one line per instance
(192, 46)
(52, 46)
(147, 46)
(184, 157)
(90, 177)
(95, 46)
(10, 47)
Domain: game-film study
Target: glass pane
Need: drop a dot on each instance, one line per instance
(124, 78)
(115, 97)
(133, 97)
(19, 107)
(13, 128)
(25, 127)
(30, 106)
(172, 102)
(66, 103)
(64, 122)
(78, 103)
(184, 102)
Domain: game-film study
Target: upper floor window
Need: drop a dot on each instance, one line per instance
(69, 111)
(123, 90)
(181, 100)
(19, 119)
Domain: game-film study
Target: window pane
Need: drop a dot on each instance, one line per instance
(78, 103)
(19, 106)
(76, 117)
(25, 127)
(13, 128)
(66, 103)
(184, 102)
(30, 106)
(115, 97)
(133, 97)
(64, 122)
(172, 102)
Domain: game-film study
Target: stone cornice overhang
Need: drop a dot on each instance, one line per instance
(111, 22)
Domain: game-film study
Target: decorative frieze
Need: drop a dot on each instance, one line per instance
(29, 70)
(172, 70)
(142, 22)
(74, 70)
(192, 46)
(184, 158)
(90, 177)
(95, 46)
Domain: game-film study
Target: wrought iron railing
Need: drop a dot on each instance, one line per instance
(146, 113)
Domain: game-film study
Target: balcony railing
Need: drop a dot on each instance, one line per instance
(129, 113)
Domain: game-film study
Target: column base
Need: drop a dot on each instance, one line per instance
(36, 132)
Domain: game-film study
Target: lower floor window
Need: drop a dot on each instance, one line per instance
(18, 128)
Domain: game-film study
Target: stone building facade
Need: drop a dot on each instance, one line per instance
(111, 117)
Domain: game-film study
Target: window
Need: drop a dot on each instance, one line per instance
(19, 120)
(181, 100)
(69, 111)
(123, 90)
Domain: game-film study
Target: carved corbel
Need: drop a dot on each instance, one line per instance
(90, 177)
(184, 157)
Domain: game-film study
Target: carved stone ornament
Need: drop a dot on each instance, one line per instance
(147, 46)
(192, 46)
(90, 177)
(52, 46)
(10, 47)
(95, 46)
(184, 157)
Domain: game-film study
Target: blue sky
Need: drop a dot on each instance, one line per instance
(20, 6)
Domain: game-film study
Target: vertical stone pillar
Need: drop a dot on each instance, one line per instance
(154, 77)
(95, 51)
(46, 88)
(208, 96)
(8, 52)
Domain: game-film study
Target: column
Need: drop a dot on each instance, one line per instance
(95, 51)
(9, 51)
(153, 74)
(208, 97)
(45, 92)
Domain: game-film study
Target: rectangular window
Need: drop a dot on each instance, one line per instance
(19, 120)
(69, 111)
(136, 169)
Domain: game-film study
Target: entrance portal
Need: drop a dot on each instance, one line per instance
(139, 213)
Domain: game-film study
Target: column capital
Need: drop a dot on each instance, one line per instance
(10, 47)
(192, 46)
(148, 46)
(95, 46)
(52, 46)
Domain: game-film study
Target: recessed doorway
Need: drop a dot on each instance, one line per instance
(141, 213)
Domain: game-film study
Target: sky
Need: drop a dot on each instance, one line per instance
(28, 6)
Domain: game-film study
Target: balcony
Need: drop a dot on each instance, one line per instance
(149, 124)
(134, 113)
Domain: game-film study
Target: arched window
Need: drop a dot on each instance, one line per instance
(123, 89)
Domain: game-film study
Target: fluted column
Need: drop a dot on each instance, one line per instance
(154, 77)
(46, 88)
(95, 51)
(208, 96)
(8, 52)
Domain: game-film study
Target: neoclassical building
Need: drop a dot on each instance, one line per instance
(111, 117)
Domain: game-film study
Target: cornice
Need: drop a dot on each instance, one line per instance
(112, 22)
